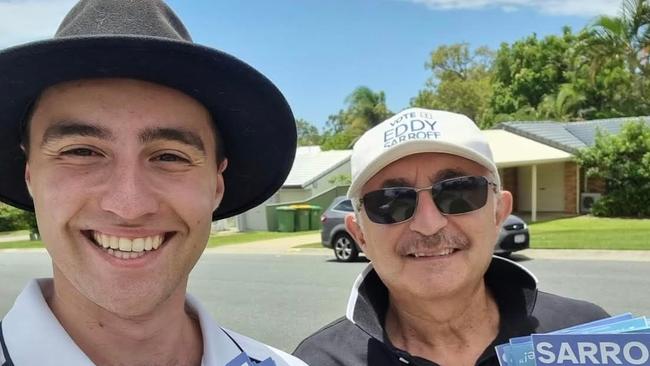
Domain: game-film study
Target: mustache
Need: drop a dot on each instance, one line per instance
(441, 239)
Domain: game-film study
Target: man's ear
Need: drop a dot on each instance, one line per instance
(354, 229)
(28, 180)
(504, 207)
(220, 184)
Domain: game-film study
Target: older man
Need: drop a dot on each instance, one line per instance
(128, 140)
(428, 209)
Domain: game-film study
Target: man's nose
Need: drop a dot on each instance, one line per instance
(427, 219)
(128, 194)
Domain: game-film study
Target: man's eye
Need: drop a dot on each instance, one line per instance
(79, 152)
(167, 157)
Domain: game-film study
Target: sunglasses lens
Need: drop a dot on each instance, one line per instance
(461, 195)
(390, 205)
(452, 197)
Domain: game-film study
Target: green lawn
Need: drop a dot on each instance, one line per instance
(583, 232)
(21, 244)
(250, 236)
(586, 232)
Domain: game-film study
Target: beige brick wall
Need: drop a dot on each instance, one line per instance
(596, 185)
(570, 187)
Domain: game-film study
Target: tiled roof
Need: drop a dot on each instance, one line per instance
(311, 163)
(568, 136)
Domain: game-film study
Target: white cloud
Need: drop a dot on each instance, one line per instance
(584, 8)
(28, 20)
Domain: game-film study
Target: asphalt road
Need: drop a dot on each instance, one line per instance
(280, 299)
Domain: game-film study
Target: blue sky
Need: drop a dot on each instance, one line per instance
(318, 51)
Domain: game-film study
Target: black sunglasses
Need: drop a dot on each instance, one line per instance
(453, 196)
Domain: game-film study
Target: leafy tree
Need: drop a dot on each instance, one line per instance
(623, 160)
(460, 80)
(529, 70)
(563, 105)
(612, 92)
(365, 109)
(573, 76)
(340, 179)
(307, 133)
(612, 63)
(338, 141)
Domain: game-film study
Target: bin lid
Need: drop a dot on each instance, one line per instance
(285, 208)
(300, 207)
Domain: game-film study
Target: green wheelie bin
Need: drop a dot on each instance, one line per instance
(302, 217)
(286, 218)
(314, 217)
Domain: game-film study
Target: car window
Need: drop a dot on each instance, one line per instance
(345, 205)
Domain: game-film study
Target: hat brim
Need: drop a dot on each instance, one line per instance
(254, 119)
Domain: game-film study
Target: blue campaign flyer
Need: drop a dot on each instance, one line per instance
(243, 360)
(620, 327)
(503, 354)
(524, 349)
(591, 349)
(521, 352)
(267, 362)
(597, 323)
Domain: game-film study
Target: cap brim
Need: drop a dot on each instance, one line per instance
(253, 117)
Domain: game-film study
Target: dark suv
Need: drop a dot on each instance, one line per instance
(513, 236)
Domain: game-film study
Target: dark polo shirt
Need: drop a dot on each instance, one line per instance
(358, 339)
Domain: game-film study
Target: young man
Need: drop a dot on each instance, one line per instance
(127, 140)
(428, 209)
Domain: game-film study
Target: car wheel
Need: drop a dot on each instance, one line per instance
(345, 249)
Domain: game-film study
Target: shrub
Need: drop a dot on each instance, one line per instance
(623, 160)
(13, 219)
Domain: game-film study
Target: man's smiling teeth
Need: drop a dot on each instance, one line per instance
(441, 253)
(120, 244)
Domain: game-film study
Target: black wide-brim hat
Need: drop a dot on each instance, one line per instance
(145, 40)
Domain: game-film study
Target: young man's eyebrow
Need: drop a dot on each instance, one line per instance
(74, 128)
(174, 134)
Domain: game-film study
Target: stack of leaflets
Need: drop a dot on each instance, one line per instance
(619, 340)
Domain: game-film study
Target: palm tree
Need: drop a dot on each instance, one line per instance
(625, 37)
(366, 109)
(562, 106)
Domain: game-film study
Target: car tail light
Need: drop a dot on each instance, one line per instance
(323, 218)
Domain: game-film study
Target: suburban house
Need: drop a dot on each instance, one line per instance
(313, 172)
(535, 161)
(560, 185)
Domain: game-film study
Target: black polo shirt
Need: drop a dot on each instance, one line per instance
(358, 339)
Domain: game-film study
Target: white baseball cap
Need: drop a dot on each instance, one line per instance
(413, 131)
